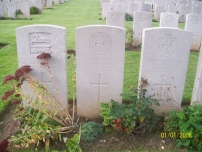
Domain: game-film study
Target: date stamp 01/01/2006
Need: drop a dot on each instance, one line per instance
(176, 135)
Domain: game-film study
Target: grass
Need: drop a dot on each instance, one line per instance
(71, 15)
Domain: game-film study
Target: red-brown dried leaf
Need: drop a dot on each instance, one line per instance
(7, 94)
(44, 56)
(4, 146)
(17, 102)
(43, 63)
(21, 71)
(14, 125)
(17, 95)
(19, 84)
(118, 124)
(8, 78)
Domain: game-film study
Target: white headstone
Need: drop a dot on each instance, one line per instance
(189, 8)
(149, 2)
(164, 60)
(6, 8)
(141, 20)
(11, 9)
(169, 20)
(119, 6)
(146, 7)
(18, 5)
(197, 90)
(100, 67)
(166, 6)
(174, 1)
(105, 8)
(178, 6)
(194, 25)
(56, 2)
(1, 9)
(103, 1)
(115, 18)
(166, 1)
(195, 2)
(182, 13)
(134, 7)
(39, 5)
(48, 3)
(25, 8)
(182, 2)
(62, 1)
(172, 8)
(36, 39)
(156, 1)
(196, 9)
(159, 8)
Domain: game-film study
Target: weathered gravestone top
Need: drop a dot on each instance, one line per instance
(197, 90)
(159, 8)
(164, 61)
(25, 8)
(194, 25)
(11, 9)
(36, 39)
(141, 20)
(169, 19)
(1, 9)
(105, 8)
(115, 18)
(100, 67)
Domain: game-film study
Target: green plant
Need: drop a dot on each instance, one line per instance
(186, 125)
(34, 127)
(90, 131)
(133, 116)
(129, 37)
(128, 17)
(34, 10)
(18, 13)
(73, 144)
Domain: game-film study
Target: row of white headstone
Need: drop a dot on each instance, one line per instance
(142, 20)
(158, 6)
(100, 51)
(9, 8)
(179, 8)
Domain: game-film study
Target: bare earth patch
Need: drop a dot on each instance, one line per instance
(111, 141)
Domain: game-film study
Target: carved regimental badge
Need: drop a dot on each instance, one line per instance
(143, 17)
(167, 45)
(115, 17)
(100, 43)
(169, 19)
(195, 20)
(40, 42)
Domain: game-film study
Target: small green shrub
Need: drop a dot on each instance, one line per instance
(18, 13)
(90, 131)
(128, 17)
(73, 144)
(186, 125)
(153, 20)
(133, 116)
(34, 10)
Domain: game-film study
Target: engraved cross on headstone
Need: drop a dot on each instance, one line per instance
(99, 84)
(162, 85)
(44, 79)
(199, 92)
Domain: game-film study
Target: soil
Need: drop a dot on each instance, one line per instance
(130, 47)
(107, 142)
(2, 45)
